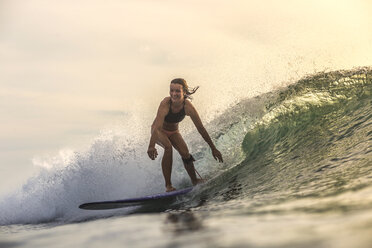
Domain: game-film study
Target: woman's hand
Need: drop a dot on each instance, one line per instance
(217, 155)
(152, 152)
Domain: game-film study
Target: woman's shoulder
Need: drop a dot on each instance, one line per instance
(188, 103)
(164, 104)
(165, 101)
(189, 107)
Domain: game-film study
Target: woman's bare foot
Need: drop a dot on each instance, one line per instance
(170, 188)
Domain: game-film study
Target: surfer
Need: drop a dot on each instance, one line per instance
(164, 131)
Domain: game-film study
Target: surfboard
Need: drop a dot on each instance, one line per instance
(103, 205)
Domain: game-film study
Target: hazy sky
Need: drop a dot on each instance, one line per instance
(70, 68)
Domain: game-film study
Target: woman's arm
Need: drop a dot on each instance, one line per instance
(156, 126)
(191, 111)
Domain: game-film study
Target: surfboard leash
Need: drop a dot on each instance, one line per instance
(189, 160)
(198, 173)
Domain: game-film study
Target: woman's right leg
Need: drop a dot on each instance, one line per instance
(166, 162)
(180, 145)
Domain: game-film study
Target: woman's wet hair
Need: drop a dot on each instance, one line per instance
(188, 91)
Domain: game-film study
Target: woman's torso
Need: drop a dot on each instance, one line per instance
(175, 115)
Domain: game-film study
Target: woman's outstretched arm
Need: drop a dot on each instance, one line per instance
(191, 111)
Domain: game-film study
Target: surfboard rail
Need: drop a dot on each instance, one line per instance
(138, 201)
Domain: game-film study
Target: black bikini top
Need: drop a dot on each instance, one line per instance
(175, 117)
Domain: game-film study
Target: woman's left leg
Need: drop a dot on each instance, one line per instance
(180, 145)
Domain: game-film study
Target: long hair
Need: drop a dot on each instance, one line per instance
(188, 91)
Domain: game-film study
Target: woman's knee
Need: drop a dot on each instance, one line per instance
(184, 154)
(163, 141)
(168, 147)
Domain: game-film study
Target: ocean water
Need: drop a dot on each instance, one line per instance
(297, 173)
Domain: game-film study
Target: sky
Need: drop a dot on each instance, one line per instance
(70, 69)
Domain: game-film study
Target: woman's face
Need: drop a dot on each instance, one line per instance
(176, 92)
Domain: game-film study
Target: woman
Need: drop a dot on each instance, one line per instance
(164, 131)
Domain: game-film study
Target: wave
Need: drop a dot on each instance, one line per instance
(311, 139)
